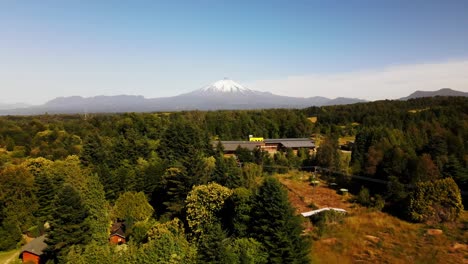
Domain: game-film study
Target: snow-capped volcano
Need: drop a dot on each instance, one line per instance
(225, 86)
(222, 94)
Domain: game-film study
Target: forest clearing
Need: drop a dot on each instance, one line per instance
(369, 236)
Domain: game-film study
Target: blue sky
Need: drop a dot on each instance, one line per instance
(163, 48)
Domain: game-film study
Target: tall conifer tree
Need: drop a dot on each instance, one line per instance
(275, 225)
(68, 226)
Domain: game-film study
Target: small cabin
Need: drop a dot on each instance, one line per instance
(117, 235)
(33, 251)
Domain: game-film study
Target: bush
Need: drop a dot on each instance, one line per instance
(378, 203)
(364, 197)
(438, 201)
(325, 220)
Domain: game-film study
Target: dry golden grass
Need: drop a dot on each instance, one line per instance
(343, 140)
(413, 111)
(367, 236)
(376, 237)
(9, 256)
(302, 194)
(312, 119)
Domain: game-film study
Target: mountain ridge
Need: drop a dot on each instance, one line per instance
(440, 92)
(222, 94)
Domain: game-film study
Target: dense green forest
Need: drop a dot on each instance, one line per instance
(185, 202)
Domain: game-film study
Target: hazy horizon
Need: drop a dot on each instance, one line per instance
(359, 49)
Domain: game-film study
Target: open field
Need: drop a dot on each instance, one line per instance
(367, 236)
(7, 257)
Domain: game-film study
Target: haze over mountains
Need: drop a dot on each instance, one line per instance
(4, 106)
(222, 94)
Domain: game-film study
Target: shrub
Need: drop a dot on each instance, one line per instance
(325, 220)
(438, 201)
(378, 203)
(364, 197)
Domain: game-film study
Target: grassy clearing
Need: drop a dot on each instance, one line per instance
(343, 140)
(302, 195)
(313, 119)
(414, 111)
(7, 257)
(376, 237)
(367, 236)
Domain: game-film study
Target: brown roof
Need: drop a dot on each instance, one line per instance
(36, 246)
(118, 229)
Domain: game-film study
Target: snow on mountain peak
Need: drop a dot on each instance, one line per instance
(226, 86)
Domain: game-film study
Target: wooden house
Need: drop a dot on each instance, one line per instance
(33, 251)
(117, 235)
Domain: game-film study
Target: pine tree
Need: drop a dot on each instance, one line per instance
(275, 225)
(95, 202)
(68, 226)
(45, 195)
(212, 245)
(237, 211)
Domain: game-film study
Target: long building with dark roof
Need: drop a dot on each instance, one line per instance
(269, 145)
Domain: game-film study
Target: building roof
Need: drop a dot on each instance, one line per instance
(118, 229)
(233, 145)
(119, 234)
(292, 142)
(279, 140)
(251, 145)
(298, 144)
(36, 246)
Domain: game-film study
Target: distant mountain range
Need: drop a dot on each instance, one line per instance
(223, 94)
(441, 92)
